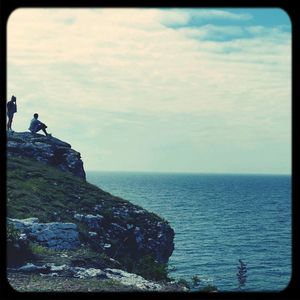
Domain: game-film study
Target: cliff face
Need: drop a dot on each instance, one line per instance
(48, 150)
(44, 183)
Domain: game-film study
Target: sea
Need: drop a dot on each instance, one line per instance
(218, 219)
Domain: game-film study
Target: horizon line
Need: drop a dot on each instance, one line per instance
(191, 172)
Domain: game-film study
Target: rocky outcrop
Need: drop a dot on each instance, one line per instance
(46, 149)
(135, 236)
(56, 235)
(129, 230)
(136, 282)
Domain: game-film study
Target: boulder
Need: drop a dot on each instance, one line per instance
(55, 235)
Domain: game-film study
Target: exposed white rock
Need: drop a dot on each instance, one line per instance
(55, 268)
(125, 278)
(92, 221)
(54, 235)
(22, 224)
(131, 279)
(88, 273)
(31, 268)
(106, 246)
(98, 207)
(118, 227)
(92, 234)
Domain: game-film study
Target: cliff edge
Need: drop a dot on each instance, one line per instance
(45, 149)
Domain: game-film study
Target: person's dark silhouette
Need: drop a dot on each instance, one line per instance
(11, 110)
(36, 125)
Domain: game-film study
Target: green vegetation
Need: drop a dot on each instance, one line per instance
(18, 251)
(38, 250)
(42, 191)
(184, 283)
(209, 289)
(13, 234)
(242, 274)
(38, 190)
(196, 281)
(150, 269)
(195, 285)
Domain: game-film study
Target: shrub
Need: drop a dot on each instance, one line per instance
(184, 283)
(36, 249)
(13, 234)
(242, 274)
(209, 289)
(196, 281)
(17, 249)
(150, 269)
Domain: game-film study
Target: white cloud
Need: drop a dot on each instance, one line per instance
(74, 66)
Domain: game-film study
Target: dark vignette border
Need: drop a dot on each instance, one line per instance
(7, 7)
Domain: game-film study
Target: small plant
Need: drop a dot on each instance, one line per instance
(13, 234)
(209, 289)
(184, 283)
(151, 269)
(195, 284)
(39, 250)
(196, 281)
(17, 249)
(242, 274)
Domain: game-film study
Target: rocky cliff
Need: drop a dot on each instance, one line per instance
(52, 206)
(45, 149)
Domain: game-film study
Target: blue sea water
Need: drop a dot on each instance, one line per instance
(218, 219)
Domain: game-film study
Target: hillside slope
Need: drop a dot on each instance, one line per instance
(111, 231)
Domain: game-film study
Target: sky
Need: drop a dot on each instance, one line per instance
(159, 90)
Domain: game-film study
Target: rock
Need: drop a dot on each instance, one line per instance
(117, 228)
(107, 246)
(32, 268)
(89, 273)
(56, 235)
(23, 224)
(55, 268)
(48, 150)
(139, 238)
(92, 221)
(23, 237)
(97, 207)
(131, 279)
(162, 242)
(125, 278)
(92, 234)
(129, 226)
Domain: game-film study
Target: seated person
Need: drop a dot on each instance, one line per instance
(36, 125)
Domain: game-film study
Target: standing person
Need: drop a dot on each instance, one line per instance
(36, 125)
(11, 110)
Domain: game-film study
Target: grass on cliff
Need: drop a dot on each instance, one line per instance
(38, 190)
(42, 191)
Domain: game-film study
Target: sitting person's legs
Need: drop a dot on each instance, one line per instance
(42, 127)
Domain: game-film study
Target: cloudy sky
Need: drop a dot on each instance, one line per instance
(171, 90)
